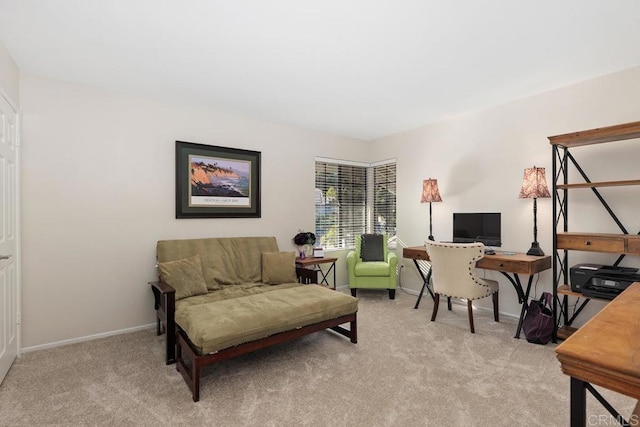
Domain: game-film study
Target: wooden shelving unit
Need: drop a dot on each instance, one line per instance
(601, 184)
(566, 290)
(565, 332)
(564, 241)
(597, 136)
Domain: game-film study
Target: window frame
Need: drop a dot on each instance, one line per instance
(345, 237)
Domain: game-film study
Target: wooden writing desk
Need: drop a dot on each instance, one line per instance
(606, 352)
(514, 264)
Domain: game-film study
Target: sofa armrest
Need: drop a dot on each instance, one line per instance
(159, 289)
(306, 275)
(165, 305)
(352, 259)
(392, 259)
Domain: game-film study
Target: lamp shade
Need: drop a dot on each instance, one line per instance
(534, 184)
(430, 191)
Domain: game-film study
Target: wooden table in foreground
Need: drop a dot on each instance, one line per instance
(605, 352)
(510, 264)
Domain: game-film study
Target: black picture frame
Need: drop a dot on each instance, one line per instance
(216, 182)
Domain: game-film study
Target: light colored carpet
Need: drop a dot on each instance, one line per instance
(405, 371)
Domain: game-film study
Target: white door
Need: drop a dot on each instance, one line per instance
(8, 237)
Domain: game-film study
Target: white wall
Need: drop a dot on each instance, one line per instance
(99, 191)
(479, 159)
(98, 187)
(9, 76)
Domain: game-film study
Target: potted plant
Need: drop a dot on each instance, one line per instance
(304, 241)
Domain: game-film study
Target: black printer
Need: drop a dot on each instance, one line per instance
(602, 281)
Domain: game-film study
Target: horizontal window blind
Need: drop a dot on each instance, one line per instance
(384, 199)
(341, 195)
(354, 198)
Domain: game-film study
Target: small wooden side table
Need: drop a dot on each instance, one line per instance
(315, 263)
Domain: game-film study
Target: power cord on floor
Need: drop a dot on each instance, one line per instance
(424, 266)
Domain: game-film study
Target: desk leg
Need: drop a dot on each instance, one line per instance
(523, 297)
(425, 283)
(524, 308)
(578, 403)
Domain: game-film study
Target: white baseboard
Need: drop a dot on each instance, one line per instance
(86, 338)
(153, 325)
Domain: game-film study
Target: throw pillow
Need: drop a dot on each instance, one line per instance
(185, 276)
(371, 248)
(278, 267)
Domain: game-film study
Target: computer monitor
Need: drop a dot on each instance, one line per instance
(477, 227)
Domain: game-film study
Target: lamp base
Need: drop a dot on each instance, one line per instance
(535, 250)
(431, 238)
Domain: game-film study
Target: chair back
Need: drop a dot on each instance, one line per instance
(454, 266)
(385, 247)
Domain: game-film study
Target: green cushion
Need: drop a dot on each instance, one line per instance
(225, 260)
(373, 268)
(278, 267)
(218, 325)
(185, 276)
(230, 292)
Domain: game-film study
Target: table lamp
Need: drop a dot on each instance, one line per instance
(534, 186)
(430, 194)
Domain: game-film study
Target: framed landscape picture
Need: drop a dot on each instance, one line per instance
(216, 182)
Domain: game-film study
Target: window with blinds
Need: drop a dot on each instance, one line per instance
(384, 199)
(353, 198)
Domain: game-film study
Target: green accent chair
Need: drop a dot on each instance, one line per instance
(373, 274)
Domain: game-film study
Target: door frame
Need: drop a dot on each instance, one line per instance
(18, 184)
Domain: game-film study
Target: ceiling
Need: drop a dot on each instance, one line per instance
(357, 68)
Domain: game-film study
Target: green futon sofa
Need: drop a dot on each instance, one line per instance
(221, 297)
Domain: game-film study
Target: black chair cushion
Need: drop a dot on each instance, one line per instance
(371, 248)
